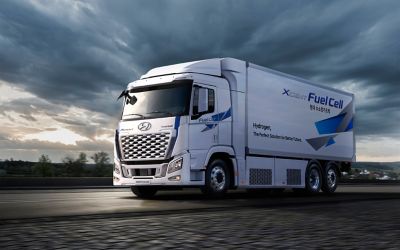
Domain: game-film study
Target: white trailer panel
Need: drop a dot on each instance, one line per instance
(290, 117)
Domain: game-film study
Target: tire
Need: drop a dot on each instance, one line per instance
(144, 192)
(313, 178)
(330, 179)
(217, 179)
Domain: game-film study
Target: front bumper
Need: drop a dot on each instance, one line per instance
(156, 174)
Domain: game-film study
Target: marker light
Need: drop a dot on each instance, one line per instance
(116, 169)
(175, 178)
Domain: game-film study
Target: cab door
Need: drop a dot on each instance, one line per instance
(203, 127)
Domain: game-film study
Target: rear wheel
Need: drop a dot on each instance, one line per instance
(144, 192)
(217, 179)
(313, 178)
(331, 178)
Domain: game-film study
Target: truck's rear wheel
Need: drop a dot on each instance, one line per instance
(331, 179)
(144, 192)
(217, 178)
(313, 178)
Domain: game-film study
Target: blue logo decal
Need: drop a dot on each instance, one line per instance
(217, 118)
(285, 92)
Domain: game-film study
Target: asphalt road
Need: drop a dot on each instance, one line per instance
(356, 217)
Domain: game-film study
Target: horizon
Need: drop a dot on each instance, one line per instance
(63, 64)
(90, 161)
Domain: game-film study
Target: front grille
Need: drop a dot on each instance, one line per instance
(145, 146)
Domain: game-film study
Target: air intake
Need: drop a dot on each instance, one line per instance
(260, 176)
(293, 176)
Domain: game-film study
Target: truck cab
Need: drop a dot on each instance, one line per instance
(171, 126)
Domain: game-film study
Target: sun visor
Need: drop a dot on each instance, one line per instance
(207, 67)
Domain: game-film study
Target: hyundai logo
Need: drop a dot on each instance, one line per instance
(144, 126)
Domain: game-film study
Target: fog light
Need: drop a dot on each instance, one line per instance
(116, 179)
(175, 165)
(126, 172)
(175, 178)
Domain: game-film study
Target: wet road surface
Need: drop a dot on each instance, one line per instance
(356, 217)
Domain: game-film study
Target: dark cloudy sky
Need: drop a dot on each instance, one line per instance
(63, 63)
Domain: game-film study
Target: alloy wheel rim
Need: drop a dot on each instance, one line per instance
(218, 178)
(314, 179)
(331, 178)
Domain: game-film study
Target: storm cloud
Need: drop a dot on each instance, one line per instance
(82, 54)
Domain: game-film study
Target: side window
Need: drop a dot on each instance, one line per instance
(211, 100)
(196, 100)
(203, 101)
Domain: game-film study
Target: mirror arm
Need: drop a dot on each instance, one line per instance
(123, 93)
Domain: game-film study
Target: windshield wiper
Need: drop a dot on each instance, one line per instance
(141, 116)
(160, 112)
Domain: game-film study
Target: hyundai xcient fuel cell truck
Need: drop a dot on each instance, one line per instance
(221, 124)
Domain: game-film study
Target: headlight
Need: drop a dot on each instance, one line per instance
(175, 165)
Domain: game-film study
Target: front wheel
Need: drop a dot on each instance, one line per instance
(144, 192)
(217, 179)
(331, 178)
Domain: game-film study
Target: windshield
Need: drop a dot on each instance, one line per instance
(158, 101)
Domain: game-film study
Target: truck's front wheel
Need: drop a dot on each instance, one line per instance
(217, 178)
(144, 192)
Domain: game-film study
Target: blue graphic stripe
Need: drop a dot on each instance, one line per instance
(222, 116)
(177, 123)
(329, 126)
(330, 142)
(350, 126)
(217, 118)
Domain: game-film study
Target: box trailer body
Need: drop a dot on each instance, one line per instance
(266, 127)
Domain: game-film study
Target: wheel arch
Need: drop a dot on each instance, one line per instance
(336, 164)
(226, 154)
(315, 161)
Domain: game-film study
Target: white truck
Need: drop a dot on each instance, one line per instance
(223, 123)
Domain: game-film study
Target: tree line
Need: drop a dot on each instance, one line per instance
(70, 167)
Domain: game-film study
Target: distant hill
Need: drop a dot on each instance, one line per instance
(377, 166)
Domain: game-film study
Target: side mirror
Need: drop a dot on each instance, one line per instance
(130, 99)
(133, 100)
